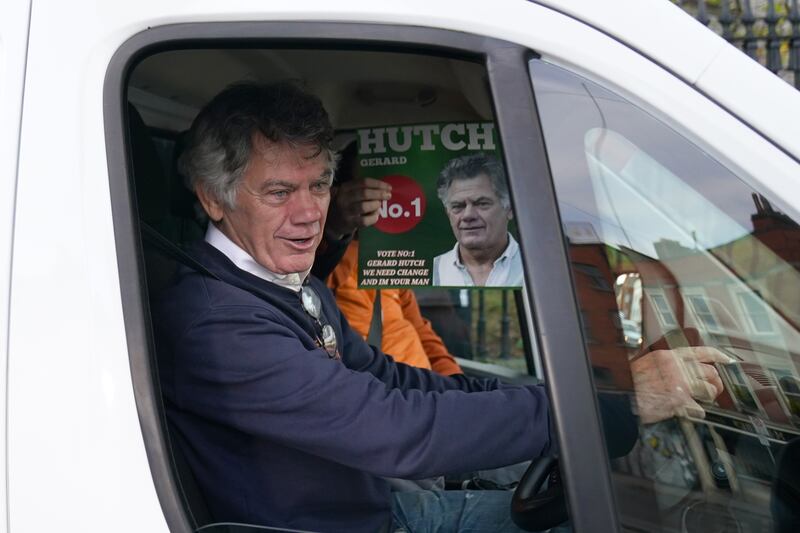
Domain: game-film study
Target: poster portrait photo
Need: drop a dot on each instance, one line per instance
(475, 197)
(465, 238)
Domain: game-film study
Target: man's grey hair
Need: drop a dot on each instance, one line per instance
(471, 166)
(220, 141)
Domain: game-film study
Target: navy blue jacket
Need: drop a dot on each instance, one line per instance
(279, 434)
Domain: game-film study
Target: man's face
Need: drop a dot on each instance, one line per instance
(281, 204)
(478, 219)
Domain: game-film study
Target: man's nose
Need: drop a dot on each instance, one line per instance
(306, 208)
(469, 211)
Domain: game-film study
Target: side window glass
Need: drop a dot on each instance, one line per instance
(484, 326)
(691, 256)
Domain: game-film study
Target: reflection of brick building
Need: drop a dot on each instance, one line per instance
(769, 259)
(744, 294)
(594, 285)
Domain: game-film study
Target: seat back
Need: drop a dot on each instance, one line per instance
(152, 199)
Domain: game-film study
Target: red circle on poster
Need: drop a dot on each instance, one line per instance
(404, 210)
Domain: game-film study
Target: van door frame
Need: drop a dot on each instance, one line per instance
(551, 294)
(14, 35)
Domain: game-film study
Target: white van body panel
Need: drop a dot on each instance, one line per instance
(13, 52)
(771, 107)
(633, 22)
(699, 57)
(76, 460)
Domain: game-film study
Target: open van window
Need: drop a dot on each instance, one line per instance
(362, 90)
(484, 328)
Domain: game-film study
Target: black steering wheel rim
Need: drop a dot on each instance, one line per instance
(534, 509)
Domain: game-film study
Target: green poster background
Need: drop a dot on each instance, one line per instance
(421, 161)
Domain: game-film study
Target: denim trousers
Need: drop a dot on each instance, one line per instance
(455, 511)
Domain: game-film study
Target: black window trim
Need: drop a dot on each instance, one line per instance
(552, 296)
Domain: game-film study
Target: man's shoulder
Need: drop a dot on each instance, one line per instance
(201, 287)
(444, 258)
(194, 294)
(516, 273)
(445, 270)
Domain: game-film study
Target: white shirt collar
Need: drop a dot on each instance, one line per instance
(508, 253)
(245, 261)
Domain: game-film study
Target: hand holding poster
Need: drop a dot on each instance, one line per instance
(448, 220)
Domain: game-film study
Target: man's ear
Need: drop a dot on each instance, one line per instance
(211, 205)
(510, 213)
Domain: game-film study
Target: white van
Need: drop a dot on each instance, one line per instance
(655, 179)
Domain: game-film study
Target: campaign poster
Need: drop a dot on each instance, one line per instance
(413, 228)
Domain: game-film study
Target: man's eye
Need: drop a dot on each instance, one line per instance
(321, 187)
(278, 195)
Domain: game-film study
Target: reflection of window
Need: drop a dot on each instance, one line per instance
(616, 319)
(663, 310)
(628, 289)
(789, 388)
(587, 330)
(756, 312)
(741, 389)
(703, 311)
(597, 278)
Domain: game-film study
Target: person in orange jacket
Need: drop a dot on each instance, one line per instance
(405, 333)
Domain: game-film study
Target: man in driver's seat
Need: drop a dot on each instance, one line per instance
(286, 416)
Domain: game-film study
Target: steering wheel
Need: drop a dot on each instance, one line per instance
(533, 510)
